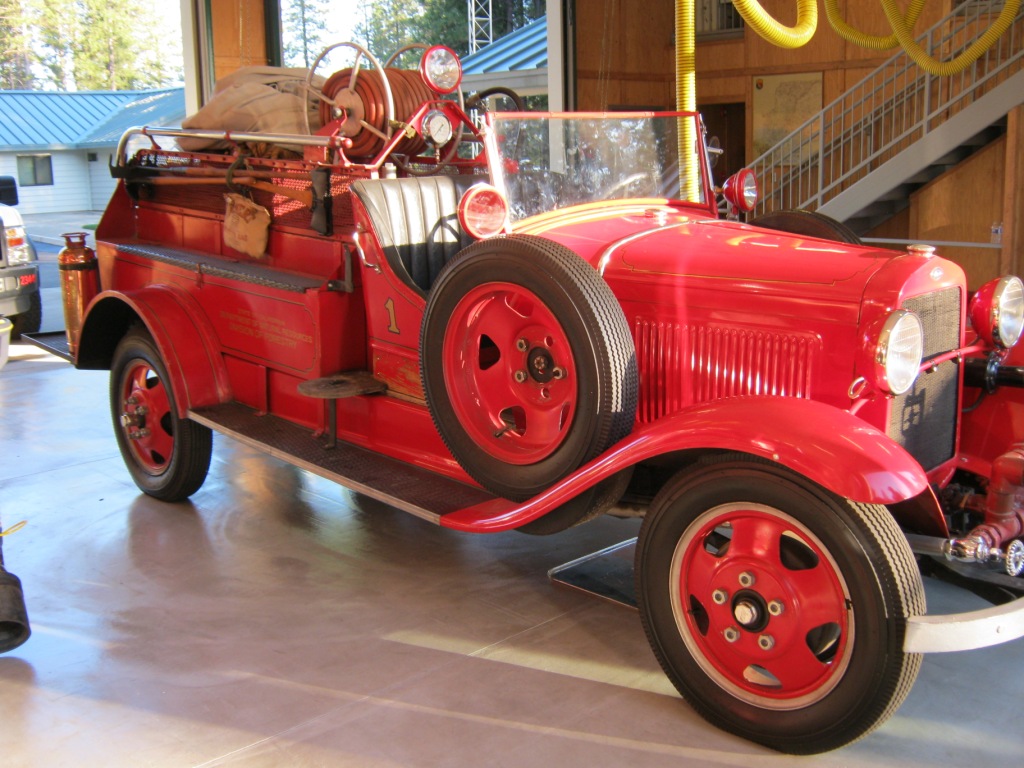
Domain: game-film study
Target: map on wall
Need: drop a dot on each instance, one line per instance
(782, 103)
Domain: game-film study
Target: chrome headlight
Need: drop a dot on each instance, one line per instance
(740, 190)
(898, 352)
(997, 311)
(440, 69)
(18, 250)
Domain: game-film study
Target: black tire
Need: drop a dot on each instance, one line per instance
(527, 363)
(168, 457)
(29, 321)
(729, 558)
(592, 503)
(809, 223)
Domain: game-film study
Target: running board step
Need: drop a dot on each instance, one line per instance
(54, 342)
(410, 489)
(338, 385)
(347, 384)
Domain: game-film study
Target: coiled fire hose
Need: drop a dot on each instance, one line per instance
(409, 93)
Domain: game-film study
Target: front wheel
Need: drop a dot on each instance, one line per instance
(168, 457)
(777, 609)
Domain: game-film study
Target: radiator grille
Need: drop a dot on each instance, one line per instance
(924, 419)
(680, 365)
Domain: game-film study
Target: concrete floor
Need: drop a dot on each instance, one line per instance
(279, 620)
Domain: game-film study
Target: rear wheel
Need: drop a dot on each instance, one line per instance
(167, 456)
(777, 609)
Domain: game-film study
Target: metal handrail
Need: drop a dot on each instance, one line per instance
(302, 140)
(885, 113)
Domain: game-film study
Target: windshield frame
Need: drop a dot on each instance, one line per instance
(497, 169)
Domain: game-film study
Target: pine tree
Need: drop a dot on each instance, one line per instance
(15, 47)
(58, 24)
(388, 25)
(96, 44)
(303, 27)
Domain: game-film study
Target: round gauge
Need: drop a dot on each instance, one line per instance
(437, 127)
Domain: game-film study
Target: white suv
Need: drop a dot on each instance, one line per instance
(19, 276)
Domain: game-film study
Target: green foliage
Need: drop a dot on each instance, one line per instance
(84, 45)
(15, 47)
(387, 25)
(303, 30)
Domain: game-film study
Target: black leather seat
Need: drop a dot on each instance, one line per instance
(417, 223)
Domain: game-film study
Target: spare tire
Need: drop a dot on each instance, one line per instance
(527, 363)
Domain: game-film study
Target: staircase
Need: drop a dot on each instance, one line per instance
(860, 158)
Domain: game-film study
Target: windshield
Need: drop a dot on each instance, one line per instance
(551, 161)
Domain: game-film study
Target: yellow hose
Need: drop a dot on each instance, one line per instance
(959, 63)
(767, 27)
(686, 97)
(793, 37)
(864, 40)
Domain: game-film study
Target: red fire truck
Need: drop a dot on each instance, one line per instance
(522, 320)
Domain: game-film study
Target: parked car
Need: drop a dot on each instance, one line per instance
(524, 320)
(20, 300)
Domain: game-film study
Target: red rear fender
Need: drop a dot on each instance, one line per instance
(181, 331)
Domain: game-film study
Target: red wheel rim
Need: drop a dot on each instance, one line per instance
(510, 373)
(762, 606)
(146, 417)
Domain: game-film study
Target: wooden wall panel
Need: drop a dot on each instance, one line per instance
(961, 206)
(625, 54)
(239, 39)
(1013, 195)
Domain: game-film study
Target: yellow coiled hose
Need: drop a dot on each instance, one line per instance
(793, 37)
(767, 27)
(959, 63)
(857, 37)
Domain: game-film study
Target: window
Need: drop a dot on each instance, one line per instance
(35, 170)
(717, 18)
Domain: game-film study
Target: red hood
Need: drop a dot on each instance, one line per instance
(670, 247)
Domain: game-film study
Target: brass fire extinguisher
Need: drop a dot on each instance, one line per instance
(80, 282)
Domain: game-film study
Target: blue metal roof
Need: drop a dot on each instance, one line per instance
(163, 108)
(526, 48)
(35, 120)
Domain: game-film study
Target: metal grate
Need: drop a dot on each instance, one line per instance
(681, 365)
(940, 316)
(924, 419)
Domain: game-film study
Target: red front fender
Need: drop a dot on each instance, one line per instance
(828, 446)
(180, 330)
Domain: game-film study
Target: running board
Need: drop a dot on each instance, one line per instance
(411, 489)
(56, 343)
